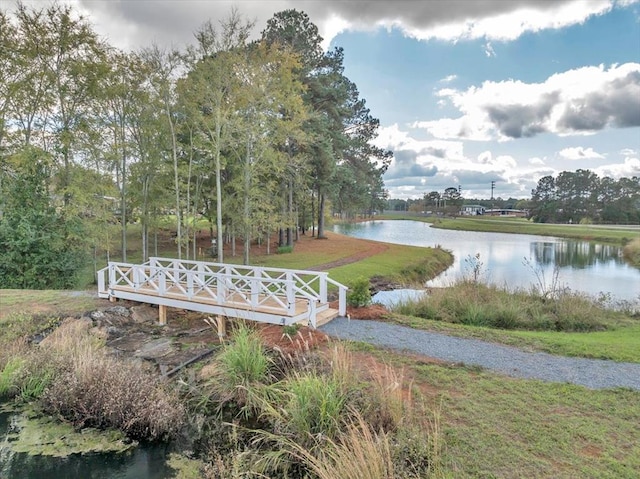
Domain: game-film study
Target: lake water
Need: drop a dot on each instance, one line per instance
(514, 260)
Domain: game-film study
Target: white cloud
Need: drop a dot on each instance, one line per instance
(581, 101)
(629, 168)
(488, 50)
(579, 153)
(448, 79)
(133, 24)
(495, 20)
(536, 161)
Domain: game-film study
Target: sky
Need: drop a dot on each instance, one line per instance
(467, 92)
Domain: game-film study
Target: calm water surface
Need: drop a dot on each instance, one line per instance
(514, 260)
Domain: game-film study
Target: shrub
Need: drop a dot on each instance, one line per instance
(359, 294)
(284, 249)
(631, 252)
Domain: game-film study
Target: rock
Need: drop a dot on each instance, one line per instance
(144, 314)
(155, 349)
(96, 315)
(118, 310)
(112, 332)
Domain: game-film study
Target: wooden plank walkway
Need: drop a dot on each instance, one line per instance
(270, 295)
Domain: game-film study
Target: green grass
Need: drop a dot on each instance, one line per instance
(495, 426)
(621, 344)
(404, 264)
(502, 427)
(13, 301)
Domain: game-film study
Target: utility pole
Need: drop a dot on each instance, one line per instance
(493, 186)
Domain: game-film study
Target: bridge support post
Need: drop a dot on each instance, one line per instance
(162, 315)
(221, 321)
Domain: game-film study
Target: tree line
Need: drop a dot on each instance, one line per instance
(579, 196)
(582, 196)
(258, 137)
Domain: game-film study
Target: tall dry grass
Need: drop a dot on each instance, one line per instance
(90, 388)
(478, 304)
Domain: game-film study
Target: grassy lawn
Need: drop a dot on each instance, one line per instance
(568, 324)
(621, 344)
(493, 426)
(46, 302)
(501, 427)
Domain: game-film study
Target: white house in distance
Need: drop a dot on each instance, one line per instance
(472, 210)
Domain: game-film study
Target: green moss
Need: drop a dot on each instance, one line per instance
(34, 434)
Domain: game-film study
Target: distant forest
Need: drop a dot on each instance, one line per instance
(580, 197)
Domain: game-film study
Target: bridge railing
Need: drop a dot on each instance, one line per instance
(274, 289)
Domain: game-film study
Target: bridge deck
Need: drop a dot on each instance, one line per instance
(258, 294)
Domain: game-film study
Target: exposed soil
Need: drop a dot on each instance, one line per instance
(334, 245)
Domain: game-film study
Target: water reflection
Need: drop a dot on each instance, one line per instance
(577, 254)
(515, 260)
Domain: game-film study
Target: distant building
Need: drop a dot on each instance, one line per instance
(472, 210)
(506, 212)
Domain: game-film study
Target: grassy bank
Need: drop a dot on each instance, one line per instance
(566, 323)
(600, 233)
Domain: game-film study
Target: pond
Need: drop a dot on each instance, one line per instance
(61, 456)
(514, 260)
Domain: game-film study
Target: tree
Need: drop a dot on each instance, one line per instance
(270, 111)
(208, 93)
(544, 201)
(339, 127)
(39, 247)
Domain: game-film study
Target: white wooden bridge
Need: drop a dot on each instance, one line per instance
(267, 295)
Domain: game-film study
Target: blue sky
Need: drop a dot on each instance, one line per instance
(467, 92)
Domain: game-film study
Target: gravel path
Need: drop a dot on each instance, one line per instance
(592, 373)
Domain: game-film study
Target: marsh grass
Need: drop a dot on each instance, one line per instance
(478, 304)
(238, 372)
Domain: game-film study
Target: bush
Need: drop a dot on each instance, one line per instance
(631, 252)
(284, 249)
(359, 294)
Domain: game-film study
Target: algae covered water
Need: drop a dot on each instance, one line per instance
(32, 448)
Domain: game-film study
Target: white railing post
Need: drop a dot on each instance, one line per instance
(201, 273)
(255, 287)
(291, 294)
(112, 275)
(342, 301)
(135, 276)
(312, 313)
(101, 285)
(189, 284)
(222, 287)
(162, 280)
(322, 279)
